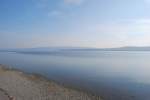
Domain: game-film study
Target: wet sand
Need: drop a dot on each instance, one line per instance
(21, 86)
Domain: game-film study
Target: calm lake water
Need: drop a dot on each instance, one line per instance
(115, 75)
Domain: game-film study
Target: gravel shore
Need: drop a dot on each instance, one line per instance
(3, 96)
(16, 85)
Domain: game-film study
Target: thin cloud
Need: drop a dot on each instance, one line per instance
(41, 3)
(55, 13)
(134, 26)
(136, 32)
(74, 2)
(147, 1)
(59, 10)
(143, 21)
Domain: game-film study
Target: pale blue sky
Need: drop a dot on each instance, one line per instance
(79, 23)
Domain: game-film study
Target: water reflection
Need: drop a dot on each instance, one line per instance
(121, 75)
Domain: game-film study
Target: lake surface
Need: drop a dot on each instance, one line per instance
(115, 75)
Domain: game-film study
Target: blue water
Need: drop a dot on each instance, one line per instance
(115, 75)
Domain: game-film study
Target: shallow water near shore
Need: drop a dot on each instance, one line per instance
(115, 75)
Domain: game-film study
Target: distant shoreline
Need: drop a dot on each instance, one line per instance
(49, 50)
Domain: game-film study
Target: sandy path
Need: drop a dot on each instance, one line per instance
(29, 87)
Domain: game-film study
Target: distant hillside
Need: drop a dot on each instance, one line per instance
(129, 49)
(58, 49)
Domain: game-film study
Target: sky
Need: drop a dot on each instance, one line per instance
(75, 23)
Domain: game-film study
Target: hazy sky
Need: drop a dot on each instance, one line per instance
(81, 23)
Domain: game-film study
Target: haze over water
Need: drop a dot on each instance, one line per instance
(116, 75)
